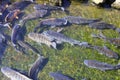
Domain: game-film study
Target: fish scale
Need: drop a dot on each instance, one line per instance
(60, 37)
(41, 39)
(14, 75)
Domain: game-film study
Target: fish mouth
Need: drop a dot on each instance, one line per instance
(86, 62)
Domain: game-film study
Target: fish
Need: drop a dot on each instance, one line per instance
(37, 66)
(100, 65)
(12, 15)
(3, 45)
(15, 32)
(19, 5)
(47, 7)
(102, 26)
(60, 76)
(26, 46)
(114, 41)
(35, 15)
(79, 20)
(2, 8)
(52, 22)
(41, 39)
(106, 51)
(13, 75)
(62, 38)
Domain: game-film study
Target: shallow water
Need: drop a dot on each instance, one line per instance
(69, 59)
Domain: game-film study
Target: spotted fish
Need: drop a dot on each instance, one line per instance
(60, 76)
(13, 74)
(26, 46)
(41, 39)
(52, 22)
(106, 51)
(100, 65)
(62, 38)
(115, 41)
(80, 20)
(47, 7)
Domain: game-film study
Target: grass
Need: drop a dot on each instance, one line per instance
(69, 60)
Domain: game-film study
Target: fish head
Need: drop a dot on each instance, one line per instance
(6, 71)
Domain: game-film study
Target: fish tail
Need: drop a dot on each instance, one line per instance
(53, 45)
(102, 36)
(95, 36)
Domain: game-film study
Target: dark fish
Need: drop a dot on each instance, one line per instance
(26, 46)
(52, 22)
(14, 34)
(13, 74)
(37, 66)
(115, 41)
(34, 15)
(47, 7)
(60, 76)
(102, 26)
(3, 45)
(19, 5)
(100, 65)
(12, 15)
(106, 51)
(80, 20)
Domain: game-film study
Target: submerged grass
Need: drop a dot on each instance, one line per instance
(69, 59)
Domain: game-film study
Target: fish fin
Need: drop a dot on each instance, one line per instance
(53, 26)
(60, 30)
(53, 45)
(102, 36)
(94, 35)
